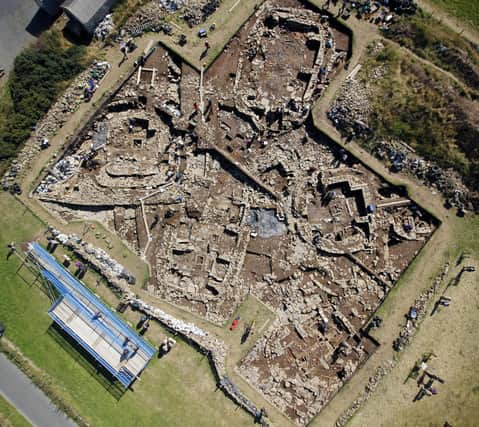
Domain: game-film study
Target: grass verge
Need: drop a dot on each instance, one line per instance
(10, 417)
(466, 10)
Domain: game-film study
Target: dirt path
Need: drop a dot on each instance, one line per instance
(430, 64)
(460, 27)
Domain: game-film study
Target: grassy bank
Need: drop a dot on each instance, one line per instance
(10, 417)
(418, 105)
(173, 391)
(465, 10)
(429, 39)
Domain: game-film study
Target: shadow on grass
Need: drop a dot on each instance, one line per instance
(82, 357)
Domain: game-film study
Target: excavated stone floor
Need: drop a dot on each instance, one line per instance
(226, 188)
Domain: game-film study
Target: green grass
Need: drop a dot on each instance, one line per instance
(411, 93)
(10, 417)
(431, 40)
(467, 10)
(250, 310)
(178, 390)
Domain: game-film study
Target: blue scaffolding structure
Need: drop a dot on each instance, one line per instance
(93, 325)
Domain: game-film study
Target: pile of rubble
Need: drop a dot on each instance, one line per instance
(351, 110)
(402, 7)
(381, 12)
(54, 119)
(373, 382)
(198, 11)
(184, 328)
(418, 311)
(149, 17)
(111, 269)
(61, 171)
(104, 28)
(403, 158)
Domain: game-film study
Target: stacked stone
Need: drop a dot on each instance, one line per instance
(373, 382)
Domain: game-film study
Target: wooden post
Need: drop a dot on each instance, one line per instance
(201, 93)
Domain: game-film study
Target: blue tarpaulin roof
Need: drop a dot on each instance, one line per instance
(81, 314)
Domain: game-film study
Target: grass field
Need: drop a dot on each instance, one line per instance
(178, 390)
(467, 10)
(452, 335)
(10, 417)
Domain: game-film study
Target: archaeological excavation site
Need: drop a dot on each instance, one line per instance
(219, 179)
